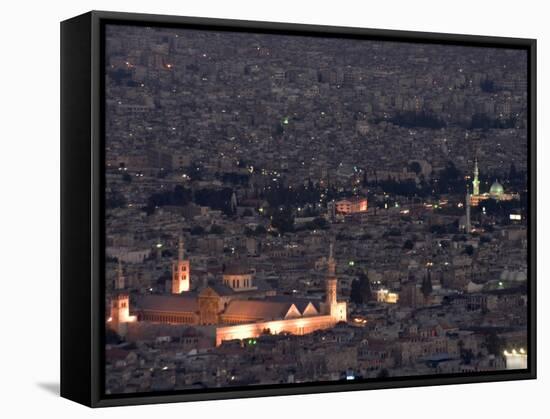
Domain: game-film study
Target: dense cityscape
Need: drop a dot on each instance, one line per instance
(290, 209)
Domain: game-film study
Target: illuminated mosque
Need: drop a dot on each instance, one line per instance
(235, 308)
(496, 191)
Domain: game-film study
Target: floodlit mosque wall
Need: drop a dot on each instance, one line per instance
(298, 326)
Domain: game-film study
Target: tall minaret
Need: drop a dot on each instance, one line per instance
(475, 182)
(181, 271)
(120, 280)
(233, 202)
(120, 302)
(468, 220)
(331, 281)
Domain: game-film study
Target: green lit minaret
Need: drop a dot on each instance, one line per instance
(475, 182)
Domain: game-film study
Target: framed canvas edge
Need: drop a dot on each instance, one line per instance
(97, 396)
(76, 320)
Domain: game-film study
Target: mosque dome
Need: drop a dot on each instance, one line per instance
(237, 268)
(496, 189)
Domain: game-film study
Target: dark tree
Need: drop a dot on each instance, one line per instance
(487, 86)
(216, 229)
(451, 180)
(494, 343)
(114, 199)
(361, 291)
(318, 223)
(166, 253)
(179, 196)
(415, 167)
(218, 199)
(355, 293)
(466, 356)
(283, 220)
(236, 178)
(112, 337)
(485, 122)
(426, 287)
(260, 230)
(411, 119)
(484, 239)
(197, 231)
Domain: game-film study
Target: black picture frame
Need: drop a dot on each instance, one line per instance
(82, 207)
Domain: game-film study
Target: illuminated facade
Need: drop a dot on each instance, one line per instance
(385, 296)
(296, 326)
(237, 307)
(120, 310)
(168, 309)
(352, 206)
(496, 191)
(298, 318)
(516, 360)
(239, 278)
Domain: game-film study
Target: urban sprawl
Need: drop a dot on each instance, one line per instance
(291, 209)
